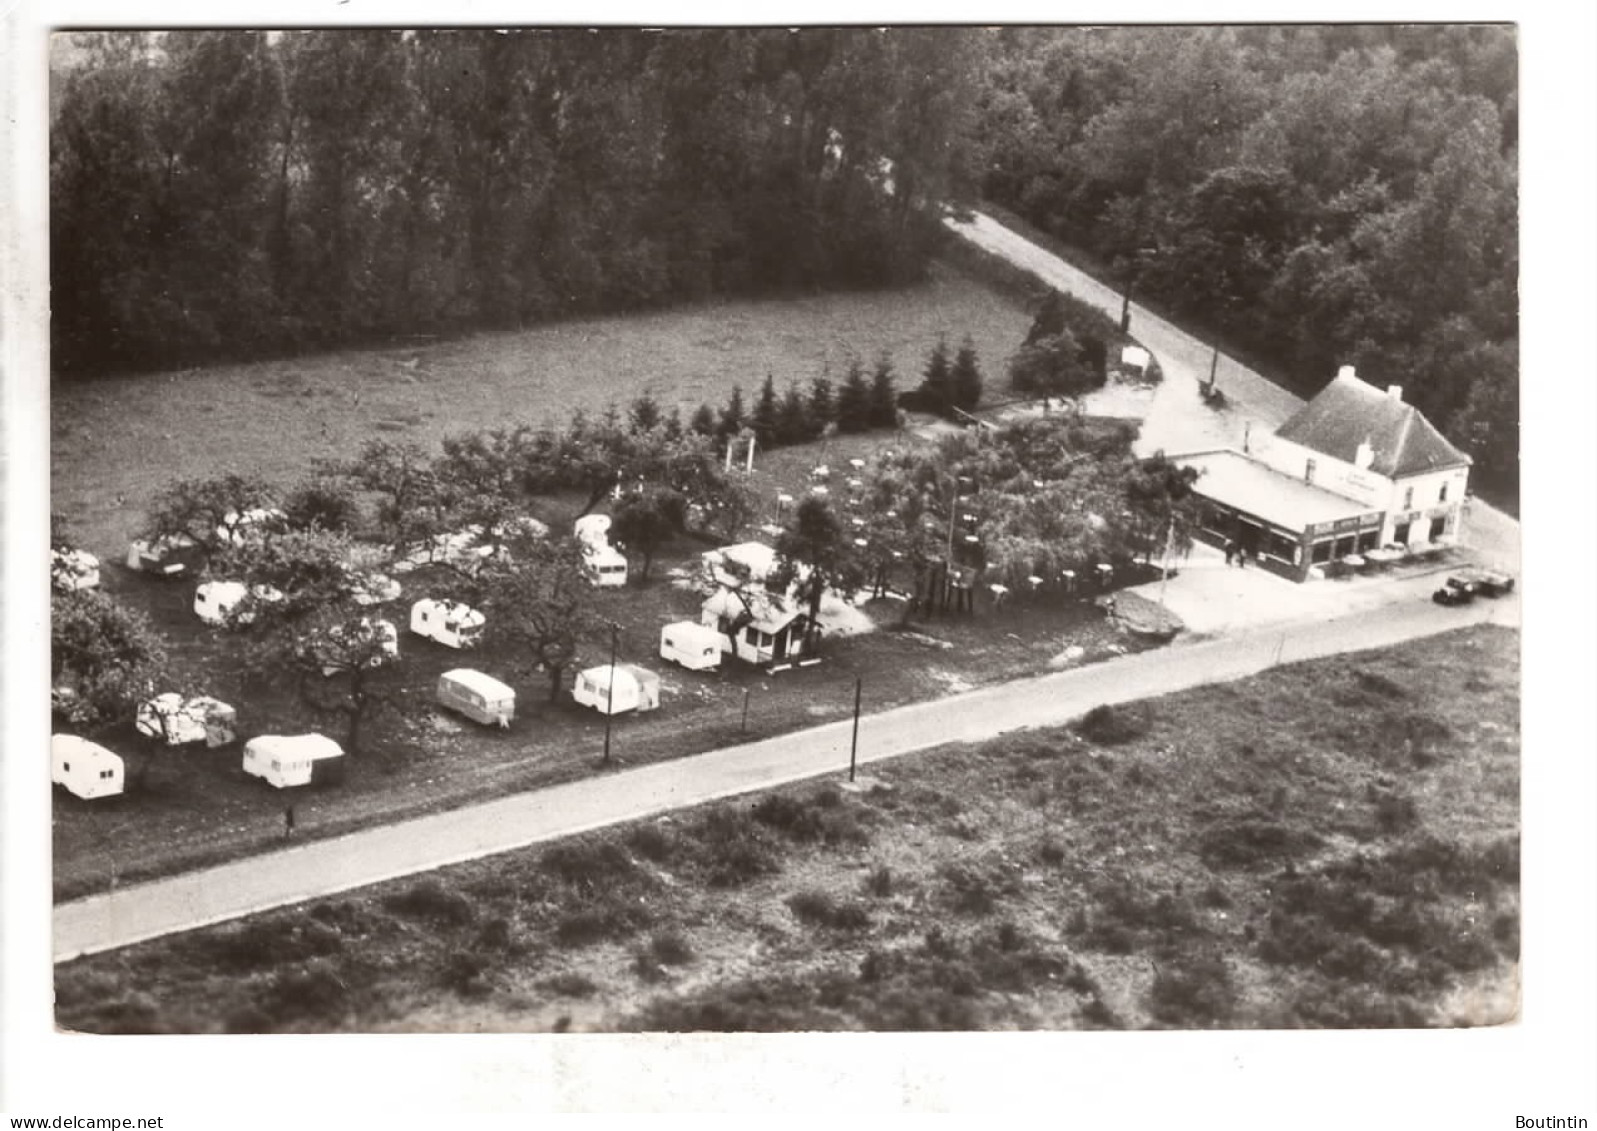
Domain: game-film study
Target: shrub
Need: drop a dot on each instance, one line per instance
(570, 984)
(790, 816)
(1195, 991)
(464, 973)
(1108, 725)
(429, 899)
(670, 948)
(496, 934)
(260, 944)
(732, 848)
(1254, 842)
(1050, 851)
(820, 909)
(313, 992)
(1395, 813)
(879, 882)
(652, 842)
(590, 865)
(596, 924)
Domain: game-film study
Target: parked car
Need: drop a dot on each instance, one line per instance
(1454, 591)
(1486, 582)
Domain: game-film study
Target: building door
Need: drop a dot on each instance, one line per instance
(1400, 533)
(1438, 528)
(779, 645)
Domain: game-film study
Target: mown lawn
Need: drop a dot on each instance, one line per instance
(1327, 844)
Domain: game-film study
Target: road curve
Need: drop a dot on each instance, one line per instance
(321, 868)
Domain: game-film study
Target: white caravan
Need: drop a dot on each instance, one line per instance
(215, 601)
(696, 647)
(479, 697)
(180, 721)
(74, 569)
(87, 769)
(288, 760)
(635, 689)
(451, 623)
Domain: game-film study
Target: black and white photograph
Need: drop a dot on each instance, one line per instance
(908, 528)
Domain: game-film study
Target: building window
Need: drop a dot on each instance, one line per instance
(1442, 496)
(1408, 498)
(1308, 471)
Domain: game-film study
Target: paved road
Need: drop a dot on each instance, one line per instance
(321, 868)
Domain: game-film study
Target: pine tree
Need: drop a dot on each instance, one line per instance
(854, 408)
(644, 412)
(703, 421)
(937, 384)
(673, 424)
(732, 415)
(823, 405)
(793, 417)
(966, 376)
(764, 417)
(882, 400)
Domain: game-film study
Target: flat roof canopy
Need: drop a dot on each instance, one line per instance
(1249, 486)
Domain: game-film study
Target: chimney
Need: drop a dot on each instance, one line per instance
(1365, 455)
(1395, 392)
(1346, 371)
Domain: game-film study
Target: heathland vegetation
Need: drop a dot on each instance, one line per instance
(1331, 844)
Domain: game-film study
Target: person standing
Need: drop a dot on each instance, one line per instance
(1230, 550)
(288, 822)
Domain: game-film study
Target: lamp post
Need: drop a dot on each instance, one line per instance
(853, 746)
(610, 690)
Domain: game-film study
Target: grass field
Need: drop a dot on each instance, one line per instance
(125, 438)
(1327, 844)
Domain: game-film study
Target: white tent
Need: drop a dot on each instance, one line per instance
(744, 562)
(180, 721)
(592, 529)
(87, 769)
(171, 555)
(635, 689)
(756, 625)
(288, 760)
(74, 569)
(451, 623)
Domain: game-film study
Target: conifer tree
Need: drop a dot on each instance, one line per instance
(793, 417)
(763, 420)
(823, 405)
(732, 415)
(854, 408)
(966, 376)
(882, 401)
(937, 384)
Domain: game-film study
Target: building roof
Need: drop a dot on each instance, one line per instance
(1254, 488)
(1348, 412)
(769, 612)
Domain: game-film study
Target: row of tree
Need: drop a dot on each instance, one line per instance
(1324, 195)
(231, 193)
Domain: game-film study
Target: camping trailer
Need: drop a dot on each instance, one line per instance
(74, 569)
(87, 769)
(171, 555)
(215, 601)
(756, 626)
(288, 760)
(479, 697)
(451, 623)
(696, 647)
(635, 689)
(181, 721)
(604, 566)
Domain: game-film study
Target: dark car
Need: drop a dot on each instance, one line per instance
(1489, 582)
(1456, 591)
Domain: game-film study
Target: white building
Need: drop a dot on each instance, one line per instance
(1353, 470)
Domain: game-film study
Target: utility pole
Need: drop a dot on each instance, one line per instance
(743, 728)
(1164, 568)
(853, 747)
(610, 691)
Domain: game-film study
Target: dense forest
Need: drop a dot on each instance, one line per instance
(222, 194)
(1321, 195)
